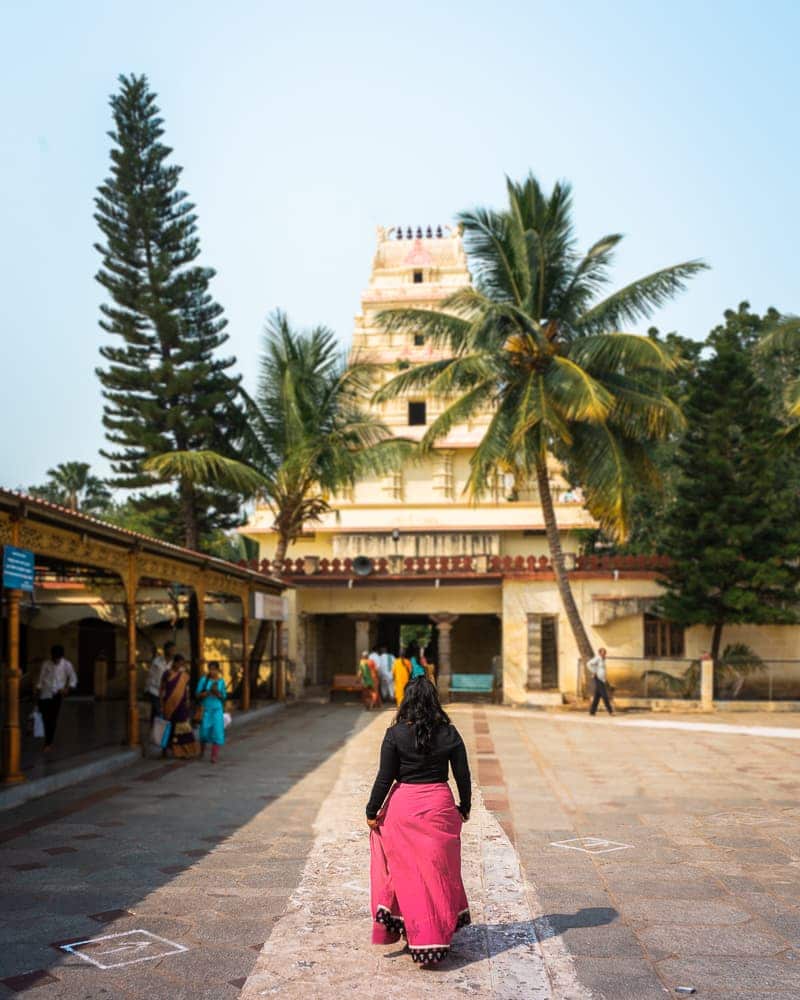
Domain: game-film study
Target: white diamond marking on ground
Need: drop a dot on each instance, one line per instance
(591, 845)
(108, 946)
(746, 818)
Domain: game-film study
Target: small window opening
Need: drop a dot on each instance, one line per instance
(416, 415)
(419, 339)
(418, 277)
(662, 638)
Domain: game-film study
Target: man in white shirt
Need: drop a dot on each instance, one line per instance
(56, 677)
(158, 667)
(386, 674)
(597, 668)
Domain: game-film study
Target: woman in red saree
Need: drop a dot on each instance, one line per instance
(176, 709)
(415, 838)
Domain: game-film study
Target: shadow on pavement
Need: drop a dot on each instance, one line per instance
(82, 861)
(499, 938)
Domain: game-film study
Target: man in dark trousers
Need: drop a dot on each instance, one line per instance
(56, 678)
(597, 668)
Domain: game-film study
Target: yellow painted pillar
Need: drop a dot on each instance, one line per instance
(131, 586)
(280, 664)
(200, 591)
(245, 652)
(12, 744)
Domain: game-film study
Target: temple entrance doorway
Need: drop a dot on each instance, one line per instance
(398, 632)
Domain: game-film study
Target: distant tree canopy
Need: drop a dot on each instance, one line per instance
(732, 526)
(71, 484)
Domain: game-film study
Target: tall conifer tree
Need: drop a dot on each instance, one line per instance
(166, 388)
(733, 530)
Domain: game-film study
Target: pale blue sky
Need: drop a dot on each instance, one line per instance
(303, 126)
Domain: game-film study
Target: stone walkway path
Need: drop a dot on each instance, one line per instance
(604, 859)
(321, 946)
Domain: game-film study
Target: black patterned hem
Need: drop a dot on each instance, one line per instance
(393, 923)
(429, 956)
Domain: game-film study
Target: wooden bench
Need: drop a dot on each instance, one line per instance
(346, 684)
(472, 684)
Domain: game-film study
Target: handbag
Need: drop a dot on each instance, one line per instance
(38, 724)
(226, 719)
(160, 732)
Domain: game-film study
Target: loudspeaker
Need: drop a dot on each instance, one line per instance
(362, 566)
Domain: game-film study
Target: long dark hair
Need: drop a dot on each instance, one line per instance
(421, 706)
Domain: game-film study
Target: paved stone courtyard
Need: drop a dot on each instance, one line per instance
(608, 859)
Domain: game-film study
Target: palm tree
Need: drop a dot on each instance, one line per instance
(785, 337)
(72, 485)
(531, 344)
(308, 434)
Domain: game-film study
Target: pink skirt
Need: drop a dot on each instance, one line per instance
(415, 871)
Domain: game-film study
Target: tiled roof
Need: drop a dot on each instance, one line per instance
(15, 499)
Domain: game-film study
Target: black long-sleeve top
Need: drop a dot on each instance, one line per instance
(401, 761)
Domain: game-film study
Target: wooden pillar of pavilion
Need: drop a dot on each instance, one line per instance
(280, 664)
(12, 743)
(200, 591)
(245, 648)
(131, 586)
(12, 734)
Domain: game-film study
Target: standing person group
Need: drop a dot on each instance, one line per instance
(416, 888)
(56, 678)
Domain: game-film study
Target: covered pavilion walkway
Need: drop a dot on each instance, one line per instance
(82, 547)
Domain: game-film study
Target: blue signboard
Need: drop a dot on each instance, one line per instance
(17, 568)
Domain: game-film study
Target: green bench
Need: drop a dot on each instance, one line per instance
(472, 684)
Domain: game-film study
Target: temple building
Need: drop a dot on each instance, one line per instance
(409, 554)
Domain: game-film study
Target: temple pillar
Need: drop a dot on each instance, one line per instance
(12, 744)
(245, 703)
(444, 625)
(363, 623)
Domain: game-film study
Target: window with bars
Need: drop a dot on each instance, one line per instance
(662, 638)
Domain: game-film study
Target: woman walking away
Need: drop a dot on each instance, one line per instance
(417, 669)
(369, 680)
(415, 838)
(175, 709)
(402, 675)
(211, 692)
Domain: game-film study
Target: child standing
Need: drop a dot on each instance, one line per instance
(212, 693)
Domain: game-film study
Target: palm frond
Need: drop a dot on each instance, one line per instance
(612, 352)
(639, 299)
(783, 335)
(206, 467)
(575, 393)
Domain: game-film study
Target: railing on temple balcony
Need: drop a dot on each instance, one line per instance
(438, 566)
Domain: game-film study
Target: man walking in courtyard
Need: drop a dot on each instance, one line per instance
(597, 668)
(56, 678)
(386, 674)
